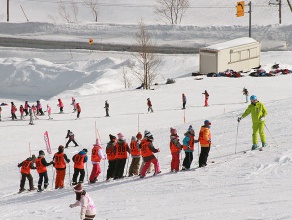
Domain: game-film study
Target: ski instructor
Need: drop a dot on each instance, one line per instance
(258, 114)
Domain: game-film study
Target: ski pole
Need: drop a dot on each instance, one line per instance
(180, 159)
(70, 175)
(53, 177)
(87, 172)
(127, 165)
(217, 149)
(271, 135)
(103, 169)
(236, 137)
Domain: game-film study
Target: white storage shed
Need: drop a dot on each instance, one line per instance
(240, 54)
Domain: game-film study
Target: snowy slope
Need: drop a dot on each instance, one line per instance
(236, 186)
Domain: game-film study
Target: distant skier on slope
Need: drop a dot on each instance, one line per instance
(49, 111)
(78, 110)
(184, 100)
(206, 98)
(106, 106)
(13, 110)
(60, 105)
(73, 104)
(245, 93)
(39, 108)
(149, 104)
(258, 115)
(71, 137)
(26, 107)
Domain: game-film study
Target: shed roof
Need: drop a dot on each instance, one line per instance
(232, 43)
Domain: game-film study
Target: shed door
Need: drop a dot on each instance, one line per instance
(208, 62)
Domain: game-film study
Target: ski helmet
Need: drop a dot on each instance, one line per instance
(207, 123)
(253, 97)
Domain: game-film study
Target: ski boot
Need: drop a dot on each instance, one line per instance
(254, 147)
(264, 144)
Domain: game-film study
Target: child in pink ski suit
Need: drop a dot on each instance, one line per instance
(96, 156)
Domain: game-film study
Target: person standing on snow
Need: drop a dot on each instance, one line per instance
(205, 142)
(188, 146)
(30, 116)
(106, 106)
(111, 157)
(122, 150)
(39, 108)
(175, 149)
(21, 109)
(245, 93)
(206, 98)
(60, 105)
(88, 210)
(96, 156)
(0, 112)
(78, 110)
(184, 100)
(71, 137)
(136, 154)
(258, 115)
(60, 159)
(26, 165)
(13, 110)
(79, 160)
(41, 166)
(26, 107)
(147, 150)
(149, 104)
(49, 110)
(73, 104)
(34, 110)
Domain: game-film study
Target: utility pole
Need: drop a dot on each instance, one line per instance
(249, 28)
(7, 10)
(280, 8)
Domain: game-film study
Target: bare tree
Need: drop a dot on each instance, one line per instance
(75, 9)
(125, 78)
(147, 63)
(63, 11)
(172, 10)
(93, 6)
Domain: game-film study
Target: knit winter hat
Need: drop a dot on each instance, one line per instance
(120, 136)
(207, 123)
(41, 153)
(139, 136)
(146, 132)
(85, 150)
(190, 129)
(97, 142)
(78, 188)
(133, 138)
(173, 131)
(112, 137)
(61, 148)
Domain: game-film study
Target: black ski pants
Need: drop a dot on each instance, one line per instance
(69, 141)
(204, 156)
(119, 168)
(110, 169)
(188, 160)
(76, 174)
(43, 176)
